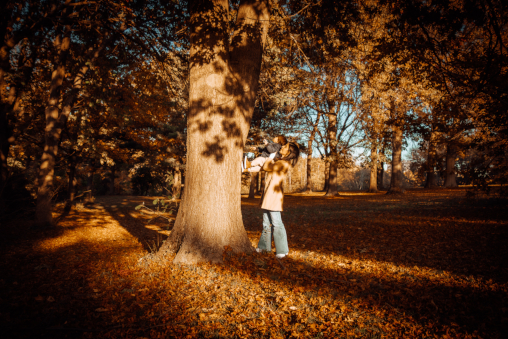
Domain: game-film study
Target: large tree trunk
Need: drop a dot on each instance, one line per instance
(253, 184)
(221, 102)
(396, 180)
(373, 169)
(451, 178)
(44, 209)
(431, 180)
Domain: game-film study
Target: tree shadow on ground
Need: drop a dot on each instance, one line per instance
(438, 233)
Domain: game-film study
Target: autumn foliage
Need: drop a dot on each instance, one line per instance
(430, 265)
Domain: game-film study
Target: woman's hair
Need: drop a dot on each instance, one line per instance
(282, 140)
(294, 154)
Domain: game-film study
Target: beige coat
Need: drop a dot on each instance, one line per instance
(273, 196)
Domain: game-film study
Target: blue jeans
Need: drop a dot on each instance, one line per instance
(279, 233)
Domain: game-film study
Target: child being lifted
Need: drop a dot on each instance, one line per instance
(270, 151)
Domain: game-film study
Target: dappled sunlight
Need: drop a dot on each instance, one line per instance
(360, 267)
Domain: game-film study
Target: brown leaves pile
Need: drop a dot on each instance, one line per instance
(426, 265)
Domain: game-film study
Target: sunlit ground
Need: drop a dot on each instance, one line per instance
(429, 264)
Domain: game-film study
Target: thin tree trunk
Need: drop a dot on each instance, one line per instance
(332, 189)
(221, 103)
(71, 175)
(177, 183)
(262, 174)
(4, 147)
(308, 187)
(373, 169)
(451, 177)
(253, 184)
(381, 176)
(327, 176)
(431, 180)
(89, 184)
(309, 154)
(396, 179)
(112, 175)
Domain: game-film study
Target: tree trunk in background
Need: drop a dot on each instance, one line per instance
(396, 180)
(89, 182)
(333, 186)
(373, 169)
(112, 174)
(431, 180)
(451, 178)
(327, 176)
(5, 130)
(381, 171)
(177, 183)
(43, 211)
(381, 176)
(308, 189)
(262, 174)
(332, 189)
(253, 184)
(222, 96)
(71, 176)
(4, 146)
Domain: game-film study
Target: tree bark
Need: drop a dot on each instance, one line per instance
(222, 95)
(373, 169)
(112, 174)
(332, 189)
(396, 180)
(56, 120)
(71, 176)
(5, 144)
(89, 181)
(381, 176)
(431, 180)
(309, 154)
(253, 184)
(327, 176)
(451, 178)
(262, 174)
(177, 183)
(333, 186)
(53, 131)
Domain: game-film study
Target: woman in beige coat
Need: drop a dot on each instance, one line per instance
(273, 199)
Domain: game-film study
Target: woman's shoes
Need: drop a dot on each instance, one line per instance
(278, 256)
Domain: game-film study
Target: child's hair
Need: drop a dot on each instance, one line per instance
(294, 154)
(282, 140)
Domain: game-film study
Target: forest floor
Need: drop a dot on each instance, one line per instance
(427, 264)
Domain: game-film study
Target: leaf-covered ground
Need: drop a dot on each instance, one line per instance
(429, 264)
